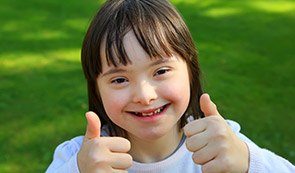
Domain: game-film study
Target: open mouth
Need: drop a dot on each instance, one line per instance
(151, 112)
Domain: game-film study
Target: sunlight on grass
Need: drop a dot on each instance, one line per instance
(78, 24)
(222, 12)
(183, 1)
(71, 55)
(23, 61)
(43, 35)
(199, 3)
(35, 132)
(41, 129)
(35, 60)
(9, 167)
(10, 26)
(234, 7)
(275, 7)
(18, 24)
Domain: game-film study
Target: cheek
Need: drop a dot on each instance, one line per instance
(113, 102)
(177, 92)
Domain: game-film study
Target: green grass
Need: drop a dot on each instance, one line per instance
(246, 54)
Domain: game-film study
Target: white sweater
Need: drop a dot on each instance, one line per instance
(261, 160)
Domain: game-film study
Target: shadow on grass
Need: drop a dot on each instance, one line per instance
(245, 53)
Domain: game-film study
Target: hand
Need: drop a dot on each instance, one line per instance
(214, 145)
(102, 154)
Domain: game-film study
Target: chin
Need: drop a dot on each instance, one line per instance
(153, 133)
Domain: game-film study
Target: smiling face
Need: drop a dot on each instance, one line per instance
(147, 97)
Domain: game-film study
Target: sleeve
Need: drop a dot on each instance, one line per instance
(262, 160)
(65, 157)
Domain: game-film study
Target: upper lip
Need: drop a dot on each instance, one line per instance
(148, 110)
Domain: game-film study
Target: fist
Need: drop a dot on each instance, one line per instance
(102, 154)
(214, 145)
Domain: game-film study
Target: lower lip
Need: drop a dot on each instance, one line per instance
(153, 117)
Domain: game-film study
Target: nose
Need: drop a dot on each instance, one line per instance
(144, 93)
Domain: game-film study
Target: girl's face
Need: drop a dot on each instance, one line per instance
(146, 97)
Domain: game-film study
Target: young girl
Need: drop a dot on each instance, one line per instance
(147, 111)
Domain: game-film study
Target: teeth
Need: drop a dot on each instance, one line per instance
(147, 114)
(158, 111)
(150, 113)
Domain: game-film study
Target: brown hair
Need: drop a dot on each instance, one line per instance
(160, 31)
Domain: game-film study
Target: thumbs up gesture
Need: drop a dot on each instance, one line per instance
(214, 145)
(102, 154)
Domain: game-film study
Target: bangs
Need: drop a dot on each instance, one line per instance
(155, 30)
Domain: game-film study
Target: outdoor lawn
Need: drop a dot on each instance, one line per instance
(246, 53)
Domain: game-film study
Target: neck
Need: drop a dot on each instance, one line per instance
(154, 150)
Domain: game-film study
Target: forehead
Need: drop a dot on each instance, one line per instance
(128, 49)
(155, 32)
(136, 54)
(133, 48)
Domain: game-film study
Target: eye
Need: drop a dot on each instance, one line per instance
(162, 71)
(119, 80)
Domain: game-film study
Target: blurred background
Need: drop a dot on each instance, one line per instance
(246, 53)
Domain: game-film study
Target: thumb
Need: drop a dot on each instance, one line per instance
(93, 125)
(207, 106)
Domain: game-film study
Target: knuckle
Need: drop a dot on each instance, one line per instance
(221, 133)
(195, 158)
(199, 158)
(127, 158)
(213, 122)
(189, 144)
(123, 142)
(127, 143)
(129, 161)
(92, 156)
(107, 160)
(226, 163)
(186, 129)
(98, 142)
(101, 160)
(206, 169)
(224, 147)
(125, 161)
(102, 165)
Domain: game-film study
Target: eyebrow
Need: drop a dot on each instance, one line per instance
(119, 70)
(160, 61)
(114, 70)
